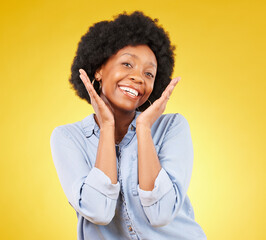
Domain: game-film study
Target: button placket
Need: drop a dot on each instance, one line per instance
(134, 176)
(124, 208)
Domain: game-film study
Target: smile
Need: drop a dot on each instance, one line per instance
(129, 91)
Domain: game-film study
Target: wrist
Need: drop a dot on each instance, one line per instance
(107, 128)
(143, 128)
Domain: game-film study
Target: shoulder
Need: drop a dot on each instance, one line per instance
(173, 120)
(76, 131)
(68, 130)
(170, 126)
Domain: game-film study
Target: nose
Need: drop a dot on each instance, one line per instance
(137, 78)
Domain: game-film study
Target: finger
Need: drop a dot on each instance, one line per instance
(170, 86)
(162, 101)
(81, 71)
(166, 94)
(95, 98)
(86, 78)
(86, 83)
(168, 91)
(90, 89)
(177, 79)
(174, 82)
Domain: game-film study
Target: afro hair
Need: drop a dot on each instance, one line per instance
(106, 38)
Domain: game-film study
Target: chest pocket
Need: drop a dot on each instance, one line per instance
(134, 173)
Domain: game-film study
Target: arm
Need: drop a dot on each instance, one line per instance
(150, 170)
(92, 192)
(88, 190)
(162, 203)
(149, 165)
(106, 156)
(148, 162)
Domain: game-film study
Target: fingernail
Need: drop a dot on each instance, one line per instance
(175, 80)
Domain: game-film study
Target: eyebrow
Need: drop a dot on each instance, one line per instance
(135, 56)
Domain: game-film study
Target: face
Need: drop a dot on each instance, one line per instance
(128, 77)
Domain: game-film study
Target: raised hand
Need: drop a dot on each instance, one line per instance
(149, 116)
(103, 113)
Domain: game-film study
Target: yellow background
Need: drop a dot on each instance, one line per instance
(221, 58)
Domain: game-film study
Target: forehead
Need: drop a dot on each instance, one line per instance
(141, 52)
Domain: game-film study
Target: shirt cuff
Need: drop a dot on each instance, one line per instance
(98, 180)
(162, 185)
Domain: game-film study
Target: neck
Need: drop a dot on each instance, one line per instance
(122, 121)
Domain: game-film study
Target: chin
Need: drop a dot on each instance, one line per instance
(126, 109)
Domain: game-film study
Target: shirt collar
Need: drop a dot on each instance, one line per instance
(90, 126)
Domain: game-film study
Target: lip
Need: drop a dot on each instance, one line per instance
(140, 93)
(128, 94)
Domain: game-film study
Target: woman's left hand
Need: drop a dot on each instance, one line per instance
(150, 115)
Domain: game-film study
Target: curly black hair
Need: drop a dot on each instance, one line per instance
(106, 38)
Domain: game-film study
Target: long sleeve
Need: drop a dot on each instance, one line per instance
(162, 204)
(88, 190)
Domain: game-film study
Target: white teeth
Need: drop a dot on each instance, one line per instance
(130, 90)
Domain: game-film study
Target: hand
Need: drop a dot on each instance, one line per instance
(150, 115)
(103, 113)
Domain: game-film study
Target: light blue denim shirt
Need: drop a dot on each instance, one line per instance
(122, 210)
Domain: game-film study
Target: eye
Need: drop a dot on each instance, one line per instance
(127, 64)
(149, 74)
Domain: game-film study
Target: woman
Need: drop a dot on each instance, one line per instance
(126, 169)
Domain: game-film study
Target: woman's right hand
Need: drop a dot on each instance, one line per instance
(103, 112)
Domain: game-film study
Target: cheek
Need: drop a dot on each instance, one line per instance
(110, 81)
(113, 76)
(117, 75)
(150, 87)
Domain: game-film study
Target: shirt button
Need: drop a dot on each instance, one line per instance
(130, 229)
(135, 193)
(132, 128)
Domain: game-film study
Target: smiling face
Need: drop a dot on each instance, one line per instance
(128, 77)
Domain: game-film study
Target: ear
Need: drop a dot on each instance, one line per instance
(98, 74)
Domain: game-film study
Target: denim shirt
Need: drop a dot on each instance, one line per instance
(123, 210)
